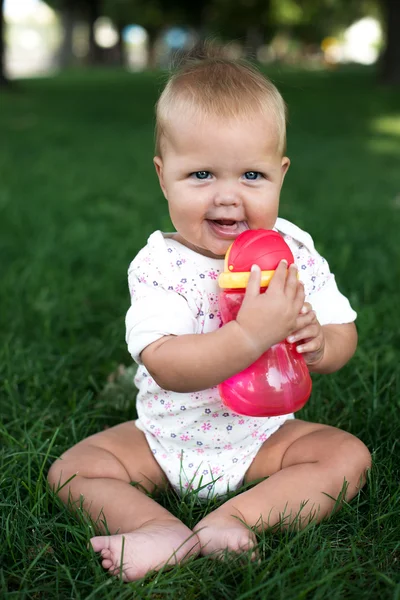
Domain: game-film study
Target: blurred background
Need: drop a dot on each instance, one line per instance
(79, 197)
(43, 37)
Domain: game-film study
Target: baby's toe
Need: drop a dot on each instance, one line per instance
(100, 542)
(255, 557)
(106, 563)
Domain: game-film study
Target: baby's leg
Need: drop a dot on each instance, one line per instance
(307, 465)
(102, 468)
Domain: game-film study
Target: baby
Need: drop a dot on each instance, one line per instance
(220, 159)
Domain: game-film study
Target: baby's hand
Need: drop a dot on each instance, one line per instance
(268, 318)
(310, 335)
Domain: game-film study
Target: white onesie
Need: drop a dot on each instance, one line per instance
(198, 442)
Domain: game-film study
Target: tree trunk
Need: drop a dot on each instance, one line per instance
(151, 47)
(95, 55)
(66, 56)
(4, 81)
(390, 62)
(121, 46)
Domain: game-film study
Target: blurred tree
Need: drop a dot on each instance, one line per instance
(245, 19)
(321, 18)
(4, 81)
(93, 12)
(70, 12)
(313, 20)
(150, 14)
(390, 63)
(255, 21)
(156, 15)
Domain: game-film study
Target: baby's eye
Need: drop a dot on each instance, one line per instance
(201, 174)
(252, 175)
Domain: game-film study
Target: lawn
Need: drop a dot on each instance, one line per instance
(78, 198)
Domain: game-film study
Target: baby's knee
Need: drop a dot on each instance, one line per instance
(358, 453)
(354, 459)
(59, 474)
(66, 468)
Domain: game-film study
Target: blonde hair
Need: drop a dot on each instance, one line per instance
(208, 84)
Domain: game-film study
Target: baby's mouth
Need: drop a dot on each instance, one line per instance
(225, 222)
(228, 227)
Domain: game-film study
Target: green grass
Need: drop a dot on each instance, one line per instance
(78, 197)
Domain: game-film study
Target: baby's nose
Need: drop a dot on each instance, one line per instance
(227, 195)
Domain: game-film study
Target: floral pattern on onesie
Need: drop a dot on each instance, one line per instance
(198, 442)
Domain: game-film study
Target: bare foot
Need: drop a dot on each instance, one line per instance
(148, 548)
(219, 532)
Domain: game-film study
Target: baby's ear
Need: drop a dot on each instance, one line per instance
(158, 163)
(285, 164)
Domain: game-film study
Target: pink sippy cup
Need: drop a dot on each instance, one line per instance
(278, 382)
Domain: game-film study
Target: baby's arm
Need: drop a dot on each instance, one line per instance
(193, 362)
(340, 345)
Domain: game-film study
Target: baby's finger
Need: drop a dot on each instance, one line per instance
(292, 282)
(279, 277)
(306, 308)
(254, 282)
(305, 319)
(309, 346)
(309, 332)
(298, 300)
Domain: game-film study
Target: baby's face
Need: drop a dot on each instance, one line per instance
(220, 177)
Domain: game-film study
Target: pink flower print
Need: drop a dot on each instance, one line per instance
(228, 447)
(164, 456)
(263, 437)
(199, 450)
(179, 288)
(168, 405)
(142, 279)
(215, 470)
(212, 274)
(311, 261)
(206, 426)
(215, 415)
(254, 434)
(241, 421)
(157, 431)
(155, 396)
(149, 404)
(185, 437)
